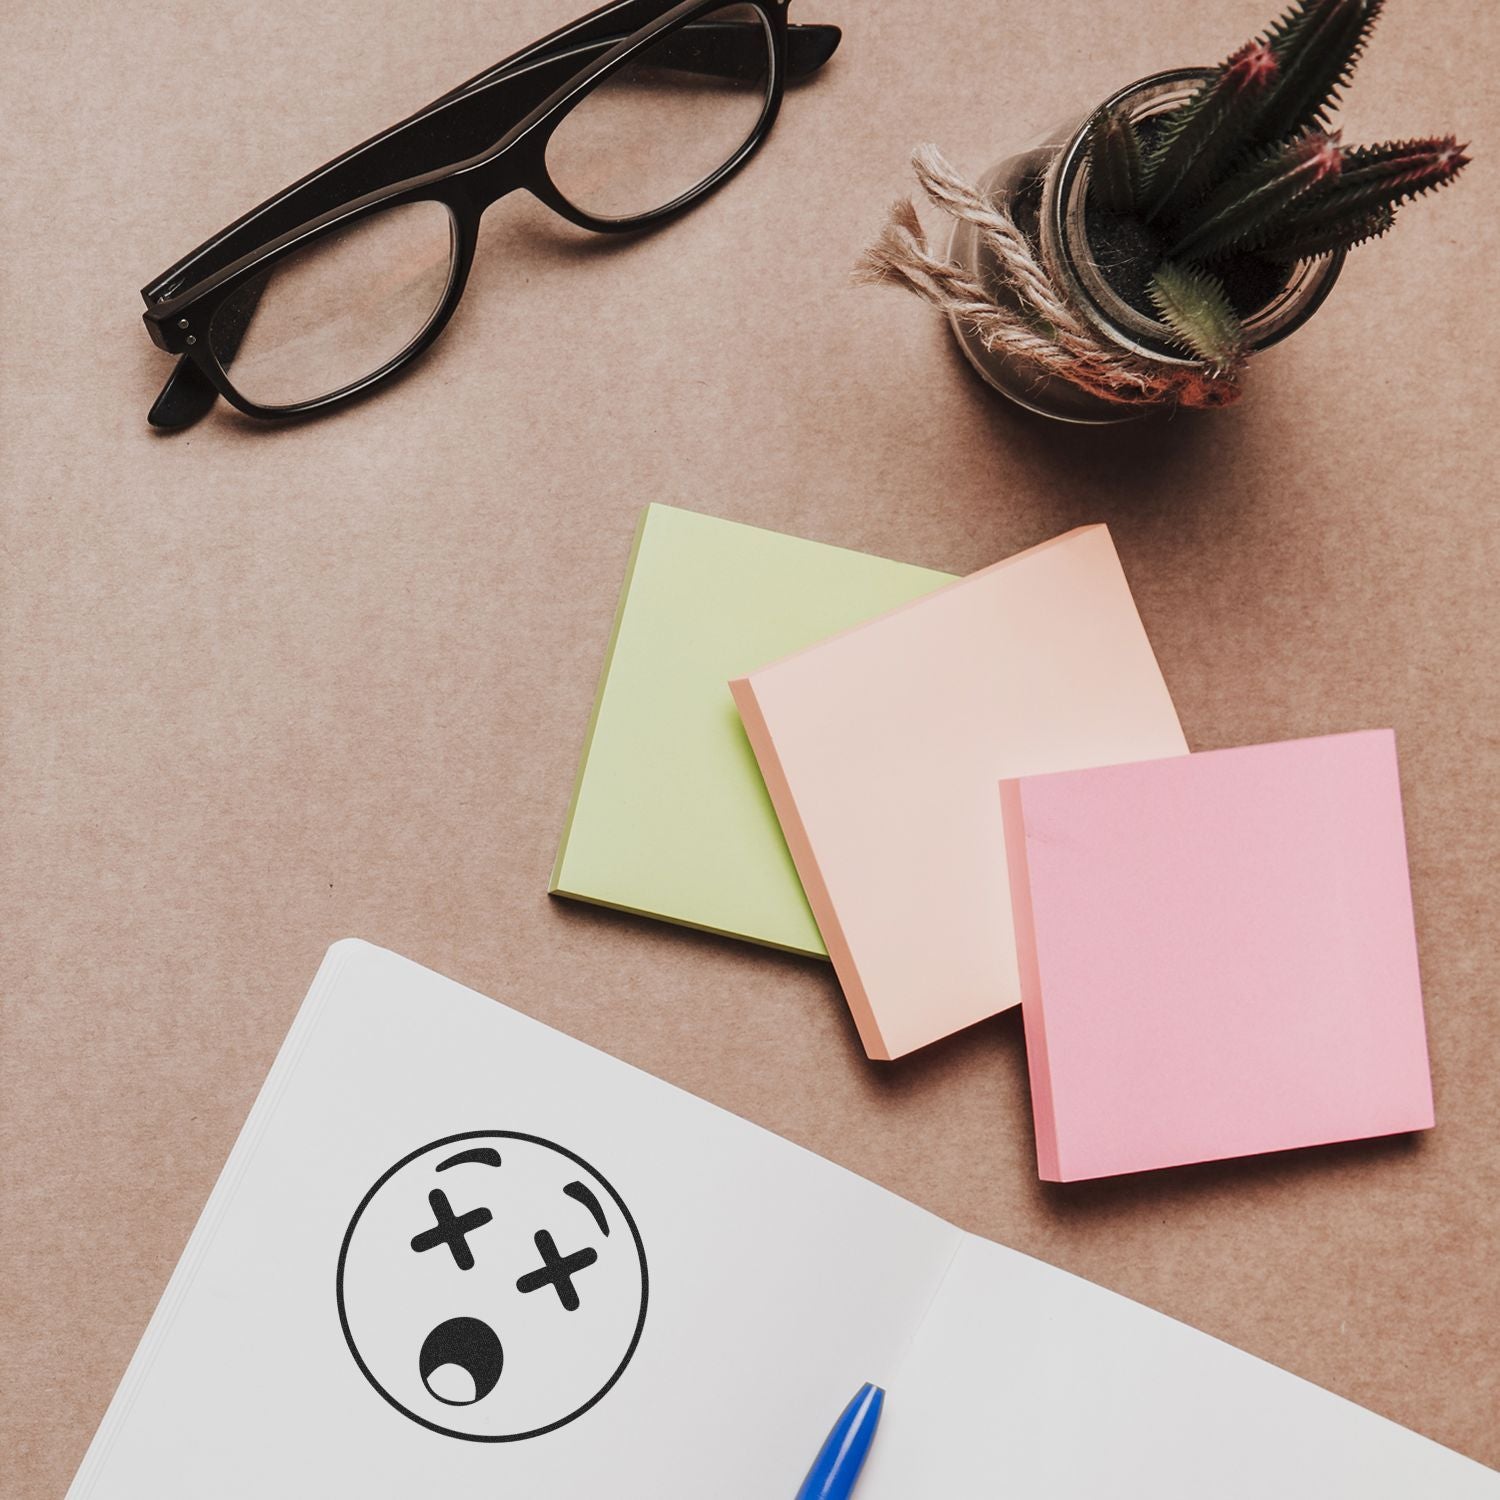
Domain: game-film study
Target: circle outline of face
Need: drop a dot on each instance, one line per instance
(534, 1140)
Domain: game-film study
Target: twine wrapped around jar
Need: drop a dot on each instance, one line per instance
(1038, 326)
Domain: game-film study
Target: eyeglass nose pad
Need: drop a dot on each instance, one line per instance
(187, 396)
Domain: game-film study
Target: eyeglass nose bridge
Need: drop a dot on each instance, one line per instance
(479, 187)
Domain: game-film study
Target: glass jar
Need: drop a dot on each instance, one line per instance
(1044, 188)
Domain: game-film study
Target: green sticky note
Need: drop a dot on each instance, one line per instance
(669, 816)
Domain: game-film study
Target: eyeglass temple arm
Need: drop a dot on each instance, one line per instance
(717, 49)
(464, 123)
(351, 174)
(735, 49)
(808, 48)
(738, 52)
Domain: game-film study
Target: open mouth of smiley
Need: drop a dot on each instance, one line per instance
(461, 1361)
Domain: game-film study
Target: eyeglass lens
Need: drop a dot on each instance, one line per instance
(669, 118)
(326, 316)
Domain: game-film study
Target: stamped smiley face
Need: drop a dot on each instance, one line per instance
(492, 1286)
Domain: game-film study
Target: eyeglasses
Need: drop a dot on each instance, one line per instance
(618, 122)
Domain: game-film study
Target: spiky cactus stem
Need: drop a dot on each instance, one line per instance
(1115, 164)
(1313, 239)
(1316, 45)
(1262, 192)
(1201, 136)
(1386, 176)
(1358, 202)
(1193, 305)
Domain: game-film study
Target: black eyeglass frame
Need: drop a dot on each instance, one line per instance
(182, 302)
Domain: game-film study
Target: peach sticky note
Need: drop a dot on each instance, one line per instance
(881, 748)
(1217, 955)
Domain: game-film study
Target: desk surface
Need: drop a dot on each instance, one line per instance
(266, 689)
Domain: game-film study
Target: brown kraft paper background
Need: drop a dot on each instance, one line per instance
(260, 690)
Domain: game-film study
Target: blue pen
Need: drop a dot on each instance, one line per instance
(842, 1455)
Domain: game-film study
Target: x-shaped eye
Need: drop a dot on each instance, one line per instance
(557, 1270)
(451, 1230)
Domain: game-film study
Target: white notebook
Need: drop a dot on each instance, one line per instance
(455, 1253)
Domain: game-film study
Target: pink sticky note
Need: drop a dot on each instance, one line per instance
(881, 747)
(1217, 955)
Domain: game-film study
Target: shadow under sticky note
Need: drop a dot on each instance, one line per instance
(1218, 956)
(670, 817)
(881, 749)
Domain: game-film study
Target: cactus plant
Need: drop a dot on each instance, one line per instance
(1247, 177)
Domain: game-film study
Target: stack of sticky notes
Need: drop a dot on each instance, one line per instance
(882, 749)
(670, 817)
(975, 793)
(1217, 955)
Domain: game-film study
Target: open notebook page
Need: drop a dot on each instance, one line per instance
(1027, 1381)
(775, 1282)
(369, 1306)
